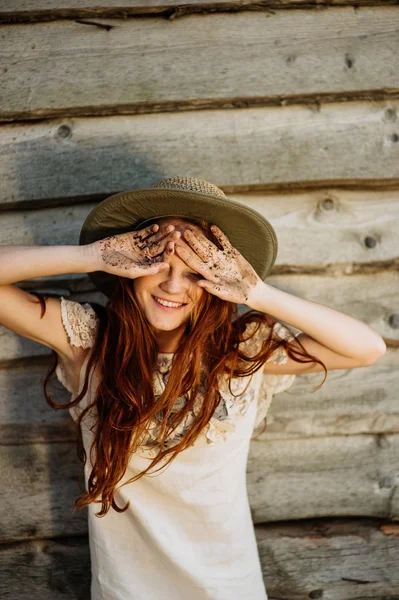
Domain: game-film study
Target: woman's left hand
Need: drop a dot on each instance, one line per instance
(227, 273)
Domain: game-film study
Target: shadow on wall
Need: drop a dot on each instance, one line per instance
(56, 166)
(40, 463)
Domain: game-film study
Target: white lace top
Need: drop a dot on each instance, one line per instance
(191, 523)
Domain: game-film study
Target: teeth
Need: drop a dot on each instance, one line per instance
(165, 303)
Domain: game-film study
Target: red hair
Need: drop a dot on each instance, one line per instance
(125, 354)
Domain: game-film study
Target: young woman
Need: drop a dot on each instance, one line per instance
(169, 383)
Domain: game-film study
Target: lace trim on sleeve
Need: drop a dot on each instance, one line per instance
(80, 322)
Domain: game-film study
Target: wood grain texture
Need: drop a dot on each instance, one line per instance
(81, 157)
(360, 226)
(44, 478)
(334, 559)
(287, 479)
(325, 476)
(24, 413)
(46, 569)
(70, 67)
(338, 558)
(351, 402)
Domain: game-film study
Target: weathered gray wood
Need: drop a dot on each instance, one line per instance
(44, 479)
(24, 413)
(298, 559)
(46, 569)
(355, 401)
(325, 476)
(318, 228)
(357, 295)
(352, 221)
(342, 141)
(112, 68)
(287, 479)
(334, 559)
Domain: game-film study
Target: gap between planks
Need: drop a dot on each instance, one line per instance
(174, 11)
(283, 187)
(313, 101)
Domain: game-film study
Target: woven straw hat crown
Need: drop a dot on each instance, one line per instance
(190, 183)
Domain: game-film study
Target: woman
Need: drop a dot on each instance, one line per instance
(166, 380)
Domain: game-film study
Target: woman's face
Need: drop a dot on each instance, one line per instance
(176, 286)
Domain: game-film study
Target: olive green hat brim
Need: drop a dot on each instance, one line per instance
(247, 230)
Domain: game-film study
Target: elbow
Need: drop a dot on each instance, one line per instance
(375, 353)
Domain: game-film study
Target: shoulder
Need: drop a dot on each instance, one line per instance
(80, 321)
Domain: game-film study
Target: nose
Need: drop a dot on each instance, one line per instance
(173, 283)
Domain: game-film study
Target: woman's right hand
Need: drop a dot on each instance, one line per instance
(137, 253)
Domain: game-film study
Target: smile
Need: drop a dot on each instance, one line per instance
(168, 304)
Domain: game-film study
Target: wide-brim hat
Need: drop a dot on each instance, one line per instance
(187, 197)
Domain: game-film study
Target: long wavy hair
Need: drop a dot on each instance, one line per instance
(125, 356)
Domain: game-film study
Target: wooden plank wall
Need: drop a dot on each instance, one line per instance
(290, 106)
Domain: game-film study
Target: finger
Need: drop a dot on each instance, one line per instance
(214, 288)
(166, 255)
(142, 234)
(221, 237)
(159, 247)
(196, 241)
(191, 260)
(161, 233)
(169, 250)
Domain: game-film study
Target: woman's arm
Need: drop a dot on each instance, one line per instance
(27, 262)
(20, 311)
(127, 255)
(340, 341)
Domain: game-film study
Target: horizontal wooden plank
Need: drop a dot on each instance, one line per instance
(326, 476)
(24, 413)
(334, 559)
(360, 225)
(338, 559)
(46, 569)
(287, 479)
(357, 295)
(323, 227)
(354, 401)
(94, 68)
(81, 157)
(44, 478)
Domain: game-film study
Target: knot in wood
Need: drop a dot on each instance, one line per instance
(64, 131)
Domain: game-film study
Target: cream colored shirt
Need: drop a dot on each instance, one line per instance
(188, 532)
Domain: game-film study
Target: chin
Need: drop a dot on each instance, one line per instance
(166, 323)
